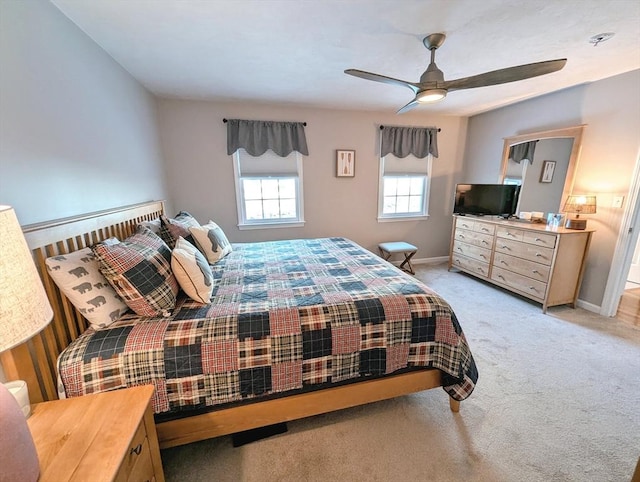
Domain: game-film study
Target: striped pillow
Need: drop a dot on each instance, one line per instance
(192, 271)
(139, 269)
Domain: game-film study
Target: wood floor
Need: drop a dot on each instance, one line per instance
(629, 308)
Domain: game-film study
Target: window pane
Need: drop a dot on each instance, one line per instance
(288, 208)
(390, 186)
(402, 205)
(287, 188)
(417, 184)
(415, 204)
(389, 205)
(253, 210)
(252, 189)
(271, 209)
(270, 188)
(404, 186)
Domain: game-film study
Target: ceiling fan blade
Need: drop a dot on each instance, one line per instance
(502, 76)
(408, 107)
(382, 78)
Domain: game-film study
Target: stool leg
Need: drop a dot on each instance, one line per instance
(407, 261)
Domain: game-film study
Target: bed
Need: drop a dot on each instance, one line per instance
(294, 328)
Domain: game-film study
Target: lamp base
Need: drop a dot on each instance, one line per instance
(576, 223)
(18, 456)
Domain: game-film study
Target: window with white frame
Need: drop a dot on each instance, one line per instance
(268, 189)
(403, 191)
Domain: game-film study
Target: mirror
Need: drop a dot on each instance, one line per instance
(545, 185)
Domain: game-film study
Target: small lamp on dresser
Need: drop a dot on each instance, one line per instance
(24, 312)
(579, 205)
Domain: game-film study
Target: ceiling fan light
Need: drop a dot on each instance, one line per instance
(431, 95)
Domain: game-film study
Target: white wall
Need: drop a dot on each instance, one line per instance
(610, 108)
(201, 181)
(77, 132)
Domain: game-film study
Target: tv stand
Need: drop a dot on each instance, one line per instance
(543, 264)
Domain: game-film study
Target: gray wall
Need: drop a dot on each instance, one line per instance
(77, 132)
(610, 108)
(201, 181)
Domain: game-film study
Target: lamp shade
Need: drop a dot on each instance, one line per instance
(580, 205)
(24, 307)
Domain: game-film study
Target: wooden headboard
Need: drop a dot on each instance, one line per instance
(35, 360)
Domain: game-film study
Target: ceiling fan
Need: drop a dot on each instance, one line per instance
(432, 87)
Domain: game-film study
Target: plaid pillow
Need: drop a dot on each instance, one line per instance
(212, 241)
(172, 229)
(139, 269)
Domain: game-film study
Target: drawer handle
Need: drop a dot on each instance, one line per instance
(485, 229)
(538, 255)
(136, 450)
(500, 276)
(483, 256)
(512, 235)
(540, 239)
(459, 249)
(461, 236)
(504, 246)
(536, 271)
(532, 288)
(484, 242)
(504, 262)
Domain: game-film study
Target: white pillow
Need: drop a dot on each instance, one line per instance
(78, 276)
(192, 271)
(212, 241)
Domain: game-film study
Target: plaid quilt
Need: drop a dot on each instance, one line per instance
(284, 316)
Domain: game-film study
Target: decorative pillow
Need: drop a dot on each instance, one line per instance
(212, 241)
(154, 225)
(192, 271)
(139, 269)
(172, 229)
(78, 276)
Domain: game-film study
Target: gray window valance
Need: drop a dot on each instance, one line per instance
(524, 150)
(402, 141)
(256, 137)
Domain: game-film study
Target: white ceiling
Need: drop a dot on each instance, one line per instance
(295, 51)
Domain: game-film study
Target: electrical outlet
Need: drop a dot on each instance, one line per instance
(617, 201)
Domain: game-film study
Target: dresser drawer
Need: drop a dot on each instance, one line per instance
(471, 237)
(138, 448)
(464, 223)
(472, 265)
(471, 251)
(533, 288)
(521, 266)
(539, 239)
(484, 228)
(525, 251)
(507, 232)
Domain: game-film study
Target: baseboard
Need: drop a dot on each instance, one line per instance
(416, 261)
(588, 306)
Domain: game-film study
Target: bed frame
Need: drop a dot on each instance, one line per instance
(35, 360)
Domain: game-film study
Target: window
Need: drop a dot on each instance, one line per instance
(268, 189)
(403, 187)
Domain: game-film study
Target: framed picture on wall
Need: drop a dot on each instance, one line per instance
(345, 163)
(546, 174)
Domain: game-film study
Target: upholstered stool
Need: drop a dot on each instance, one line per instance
(387, 249)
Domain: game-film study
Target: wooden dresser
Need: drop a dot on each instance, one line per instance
(541, 263)
(108, 436)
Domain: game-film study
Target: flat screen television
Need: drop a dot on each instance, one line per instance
(486, 199)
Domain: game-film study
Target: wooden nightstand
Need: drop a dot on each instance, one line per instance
(108, 436)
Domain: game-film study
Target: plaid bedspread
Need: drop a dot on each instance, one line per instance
(284, 315)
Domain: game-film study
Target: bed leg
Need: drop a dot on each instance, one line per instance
(454, 405)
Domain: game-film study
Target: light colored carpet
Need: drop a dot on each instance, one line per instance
(558, 399)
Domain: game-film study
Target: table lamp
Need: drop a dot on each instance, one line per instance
(579, 205)
(24, 312)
